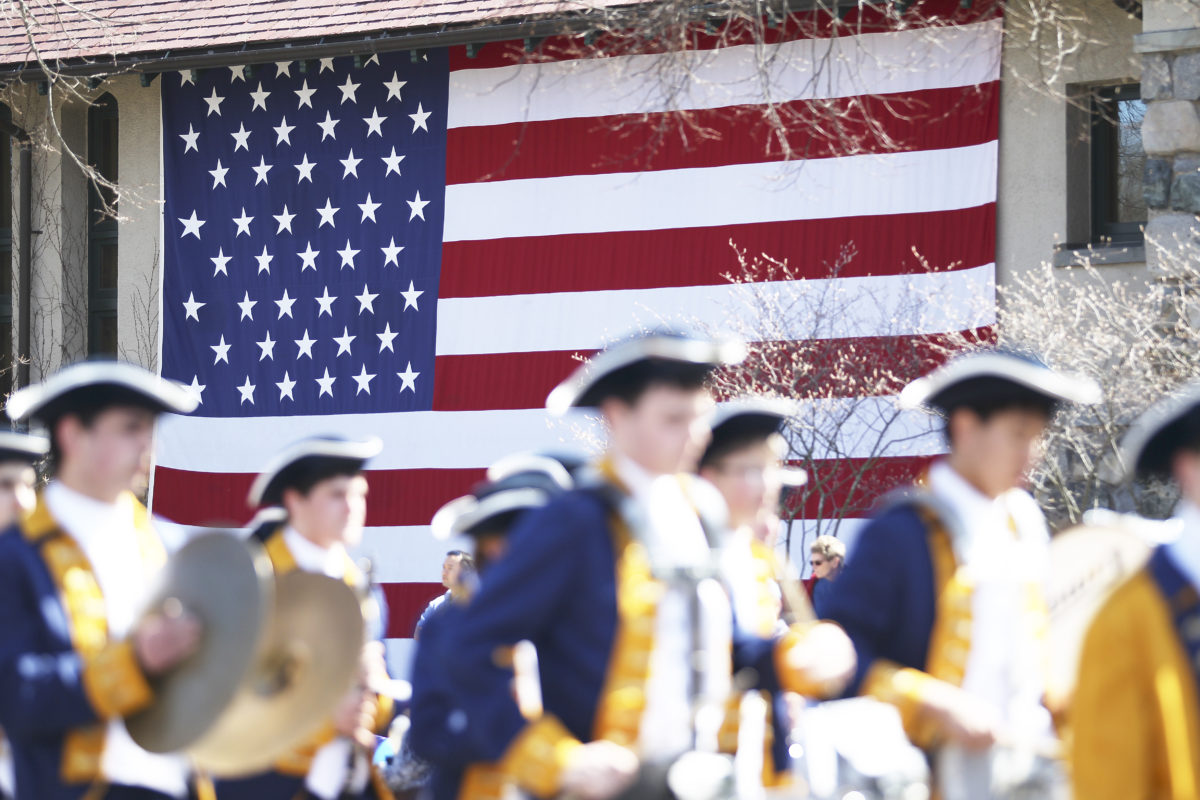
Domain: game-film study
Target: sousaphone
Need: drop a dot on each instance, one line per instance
(276, 656)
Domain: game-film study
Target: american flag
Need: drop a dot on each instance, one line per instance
(417, 245)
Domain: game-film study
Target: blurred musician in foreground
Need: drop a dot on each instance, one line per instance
(319, 483)
(18, 454)
(442, 731)
(943, 591)
(615, 585)
(74, 658)
(1135, 716)
(744, 460)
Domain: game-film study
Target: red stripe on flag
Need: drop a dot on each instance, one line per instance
(405, 603)
(866, 18)
(886, 245)
(484, 381)
(852, 487)
(397, 497)
(935, 119)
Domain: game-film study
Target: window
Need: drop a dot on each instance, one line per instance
(1118, 165)
(102, 228)
(6, 253)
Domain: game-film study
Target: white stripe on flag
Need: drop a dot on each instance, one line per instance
(737, 194)
(889, 305)
(475, 439)
(869, 64)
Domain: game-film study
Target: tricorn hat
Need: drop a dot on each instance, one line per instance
(752, 418)
(638, 361)
(1160, 432)
(980, 377)
(514, 486)
(308, 461)
(98, 384)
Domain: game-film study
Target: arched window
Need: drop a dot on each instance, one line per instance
(102, 227)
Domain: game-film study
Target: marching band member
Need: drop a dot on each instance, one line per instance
(943, 591)
(441, 715)
(607, 581)
(18, 454)
(744, 461)
(74, 659)
(319, 484)
(1135, 715)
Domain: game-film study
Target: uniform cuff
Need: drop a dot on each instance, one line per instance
(798, 680)
(537, 757)
(385, 711)
(114, 682)
(908, 690)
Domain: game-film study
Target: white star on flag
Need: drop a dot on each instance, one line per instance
(283, 68)
(264, 261)
(191, 308)
(284, 219)
(260, 172)
(327, 214)
(222, 350)
(347, 255)
(394, 86)
(247, 306)
(260, 98)
(241, 139)
(366, 300)
(191, 225)
(283, 132)
(214, 103)
(218, 175)
(247, 391)
(385, 338)
(418, 207)
(368, 209)
(363, 380)
(197, 389)
(268, 348)
(243, 223)
(343, 342)
(327, 127)
(285, 304)
(309, 257)
(220, 262)
(408, 379)
(393, 163)
(305, 94)
(305, 344)
(350, 164)
(286, 386)
(190, 138)
(391, 252)
(420, 118)
(326, 384)
(325, 301)
(374, 122)
(306, 168)
(410, 297)
(348, 89)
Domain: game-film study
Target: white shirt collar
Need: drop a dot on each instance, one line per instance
(637, 479)
(954, 489)
(312, 557)
(81, 515)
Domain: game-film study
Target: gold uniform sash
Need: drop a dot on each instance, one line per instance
(112, 678)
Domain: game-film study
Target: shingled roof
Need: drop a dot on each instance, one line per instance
(103, 30)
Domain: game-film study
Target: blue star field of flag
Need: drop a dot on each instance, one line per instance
(302, 234)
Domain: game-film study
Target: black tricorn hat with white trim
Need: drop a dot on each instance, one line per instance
(1161, 431)
(24, 447)
(95, 385)
(494, 505)
(748, 419)
(983, 376)
(308, 461)
(637, 362)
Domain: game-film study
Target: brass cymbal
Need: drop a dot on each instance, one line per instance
(308, 659)
(227, 586)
